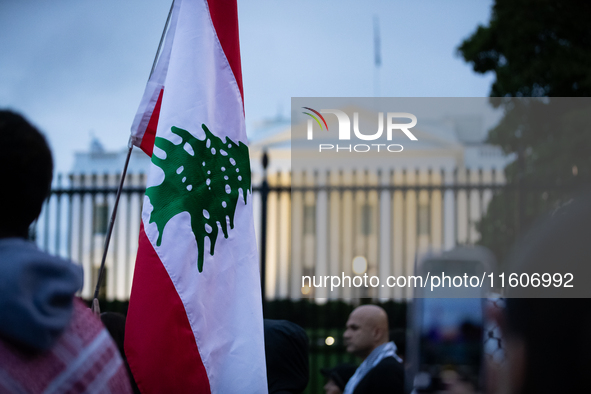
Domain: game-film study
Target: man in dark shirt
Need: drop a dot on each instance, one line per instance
(366, 337)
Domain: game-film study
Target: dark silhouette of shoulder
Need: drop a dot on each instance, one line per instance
(386, 377)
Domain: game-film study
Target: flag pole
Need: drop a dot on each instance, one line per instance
(95, 302)
(377, 55)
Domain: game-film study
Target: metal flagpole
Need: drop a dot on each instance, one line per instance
(95, 302)
(377, 55)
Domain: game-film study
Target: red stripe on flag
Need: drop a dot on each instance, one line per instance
(149, 137)
(224, 15)
(159, 343)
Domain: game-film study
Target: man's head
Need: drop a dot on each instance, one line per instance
(27, 167)
(367, 328)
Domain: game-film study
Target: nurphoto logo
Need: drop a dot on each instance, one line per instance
(344, 130)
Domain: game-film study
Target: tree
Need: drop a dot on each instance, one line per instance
(535, 48)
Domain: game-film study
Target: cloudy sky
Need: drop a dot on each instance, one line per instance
(77, 68)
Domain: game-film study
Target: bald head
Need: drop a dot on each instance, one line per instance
(374, 316)
(367, 328)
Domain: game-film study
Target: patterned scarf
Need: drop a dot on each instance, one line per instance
(84, 360)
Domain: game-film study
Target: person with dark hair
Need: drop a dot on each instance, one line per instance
(49, 340)
(367, 337)
(546, 337)
(286, 353)
(337, 377)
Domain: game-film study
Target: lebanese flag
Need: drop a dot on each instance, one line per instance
(195, 323)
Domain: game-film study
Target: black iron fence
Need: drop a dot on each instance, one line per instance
(305, 225)
(74, 222)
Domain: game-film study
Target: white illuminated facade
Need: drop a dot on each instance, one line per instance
(378, 232)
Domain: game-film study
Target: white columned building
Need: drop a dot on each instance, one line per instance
(387, 228)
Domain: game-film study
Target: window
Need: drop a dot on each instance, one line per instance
(366, 219)
(309, 219)
(101, 218)
(424, 219)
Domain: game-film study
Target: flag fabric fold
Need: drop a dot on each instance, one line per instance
(195, 314)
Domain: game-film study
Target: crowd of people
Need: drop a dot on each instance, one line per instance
(50, 341)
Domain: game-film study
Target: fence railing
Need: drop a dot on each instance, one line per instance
(311, 227)
(309, 224)
(314, 225)
(74, 221)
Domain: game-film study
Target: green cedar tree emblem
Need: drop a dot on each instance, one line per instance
(202, 178)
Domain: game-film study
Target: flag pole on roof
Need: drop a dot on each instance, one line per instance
(194, 322)
(95, 302)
